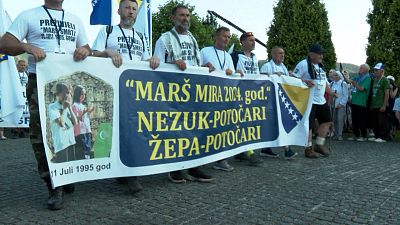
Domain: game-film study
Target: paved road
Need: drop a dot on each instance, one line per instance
(358, 184)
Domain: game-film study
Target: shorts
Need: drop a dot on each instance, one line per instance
(320, 112)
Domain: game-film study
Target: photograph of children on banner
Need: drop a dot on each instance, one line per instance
(79, 114)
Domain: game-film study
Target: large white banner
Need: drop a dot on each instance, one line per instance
(99, 121)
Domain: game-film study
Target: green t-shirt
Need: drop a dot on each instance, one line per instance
(360, 97)
(378, 92)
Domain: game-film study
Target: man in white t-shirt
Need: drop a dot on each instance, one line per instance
(47, 28)
(276, 67)
(310, 71)
(179, 47)
(23, 78)
(121, 42)
(245, 61)
(217, 59)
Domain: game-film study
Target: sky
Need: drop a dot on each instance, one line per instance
(347, 20)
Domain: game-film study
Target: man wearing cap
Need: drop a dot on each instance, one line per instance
(380, 99)
(360, 87)
(276, 67)
(245, 61)
(311, 72)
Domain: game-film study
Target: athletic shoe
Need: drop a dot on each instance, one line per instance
(198, 174)
(289, 154)
(268, 153)
(379, 140)
(56, 198)
(340, 139)
(351, 139)
(223, 165)
(254, 160)
(177, 177)
(371, 139)
(361, 139)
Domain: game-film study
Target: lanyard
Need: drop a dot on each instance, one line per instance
(126, 40)
(221, 65)
(58, 29)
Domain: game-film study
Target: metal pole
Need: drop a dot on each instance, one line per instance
(234, 26)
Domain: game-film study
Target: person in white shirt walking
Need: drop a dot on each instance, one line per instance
(276, 67)
(340, 94)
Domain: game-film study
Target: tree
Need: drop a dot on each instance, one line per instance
(384, 36)
(296, 25)
(201, 28)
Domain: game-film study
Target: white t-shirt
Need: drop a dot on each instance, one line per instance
(187, 47)
(117, 42)
(272, 68)
(36, 27)
(220, 59)
(63, 137)
(320, 81)
(248, 65)
(396, 106)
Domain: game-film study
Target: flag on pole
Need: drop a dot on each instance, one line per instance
(143, 24)
(11, 98)
(102, 12)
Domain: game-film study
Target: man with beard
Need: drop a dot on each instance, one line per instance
(122, 42)
(179, 47)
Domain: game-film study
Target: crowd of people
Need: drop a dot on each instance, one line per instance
(369, 96)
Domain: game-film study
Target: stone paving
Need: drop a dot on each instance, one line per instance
(358, 184)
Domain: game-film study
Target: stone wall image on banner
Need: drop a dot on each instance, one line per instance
(79, 112)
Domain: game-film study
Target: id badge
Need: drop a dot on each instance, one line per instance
(59, 50)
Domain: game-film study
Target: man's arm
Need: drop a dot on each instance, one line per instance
(12, 46)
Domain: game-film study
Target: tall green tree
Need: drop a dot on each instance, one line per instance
(201, 28)
(296, 25)
(384, 36)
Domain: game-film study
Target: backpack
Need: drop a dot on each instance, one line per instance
(109, 30)
(235, 57)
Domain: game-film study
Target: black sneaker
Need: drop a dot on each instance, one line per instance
(133, 185)
(200, 175)
(56, 198)
(177, 177)
(289, 154)
(254, 160)
(268, 153)
(69, 188)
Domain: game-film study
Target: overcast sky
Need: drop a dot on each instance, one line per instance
(347, 20)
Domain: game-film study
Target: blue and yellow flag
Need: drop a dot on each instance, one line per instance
(293, 104)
